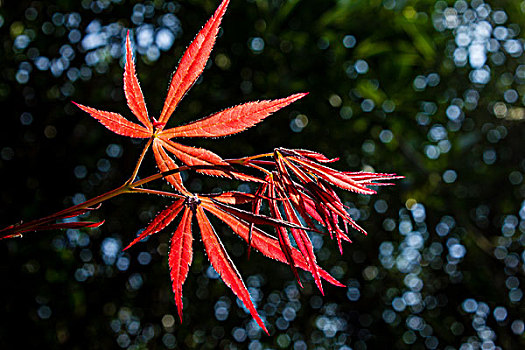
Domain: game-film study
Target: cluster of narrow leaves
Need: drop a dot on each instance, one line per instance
(296, 184)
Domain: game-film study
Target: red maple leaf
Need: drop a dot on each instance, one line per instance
(181, 251)
(300, 181)
(227, 122)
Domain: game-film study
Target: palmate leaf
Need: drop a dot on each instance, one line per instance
(307, 185)
(181, 253)
(224, 123)
(300, 200)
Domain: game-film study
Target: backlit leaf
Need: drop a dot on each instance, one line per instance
(282, 233)
(193, 156)
(165, 163)
(192, 63)
(132, 89)
(163, 219)
(266, 244)
(180, 256)
(231, 120)
(223, 265)
(333, 176)
(233, 197)
(116, 123)
(303, 243)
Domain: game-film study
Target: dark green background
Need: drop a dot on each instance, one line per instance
(391, 90)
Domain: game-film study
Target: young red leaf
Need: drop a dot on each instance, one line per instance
(321, 158)
(334, 205)
(364, 177)
(282, 233)
(303, 243)
(333, 176)
(259, 219)
(163, 219)
(256, 208)
(192, 63)
(180, 256)
(315, 198)
(266, 244)
(132, 89)
(233, 197)
(231, 120)
(116, 123)
(223, 265)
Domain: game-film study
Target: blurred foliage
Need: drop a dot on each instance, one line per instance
(430, 90)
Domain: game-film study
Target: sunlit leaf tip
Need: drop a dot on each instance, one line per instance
(192, 62)
(132, 90)
(116, 123)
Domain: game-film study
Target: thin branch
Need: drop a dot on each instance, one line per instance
(134, 187)
(156, 192)
(244, 160)
(139, 162)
